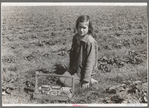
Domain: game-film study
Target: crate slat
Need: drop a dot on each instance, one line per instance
(51, 97)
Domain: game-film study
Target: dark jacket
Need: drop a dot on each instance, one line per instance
(83, 57)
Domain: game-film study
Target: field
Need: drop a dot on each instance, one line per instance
(39, 38)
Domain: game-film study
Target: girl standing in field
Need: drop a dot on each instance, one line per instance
(83, 53)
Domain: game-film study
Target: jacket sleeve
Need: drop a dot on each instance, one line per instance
(90, 60)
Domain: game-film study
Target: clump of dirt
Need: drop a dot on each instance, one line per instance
(132, 92)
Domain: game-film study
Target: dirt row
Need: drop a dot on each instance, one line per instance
(132, 92)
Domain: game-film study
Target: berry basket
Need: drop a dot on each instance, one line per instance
(53, 92)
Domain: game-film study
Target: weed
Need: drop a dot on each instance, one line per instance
(9, 59)
(14, 68)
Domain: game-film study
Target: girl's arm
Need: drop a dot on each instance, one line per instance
(90, 61)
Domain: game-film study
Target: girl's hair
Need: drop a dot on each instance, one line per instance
(85, 18)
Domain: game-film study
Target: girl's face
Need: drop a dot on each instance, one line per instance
(83, 28)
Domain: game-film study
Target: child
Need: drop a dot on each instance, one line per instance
(83, 53)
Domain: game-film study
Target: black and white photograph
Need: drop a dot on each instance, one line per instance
(74, 54)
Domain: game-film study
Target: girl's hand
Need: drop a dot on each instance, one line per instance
(85, 85)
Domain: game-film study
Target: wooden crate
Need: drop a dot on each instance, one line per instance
(52, 97)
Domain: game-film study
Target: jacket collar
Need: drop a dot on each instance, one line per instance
(85, 38)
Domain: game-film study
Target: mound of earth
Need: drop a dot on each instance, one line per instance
(132, 92)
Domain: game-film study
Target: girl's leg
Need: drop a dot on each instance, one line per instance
(65, 80)
(68, 81)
